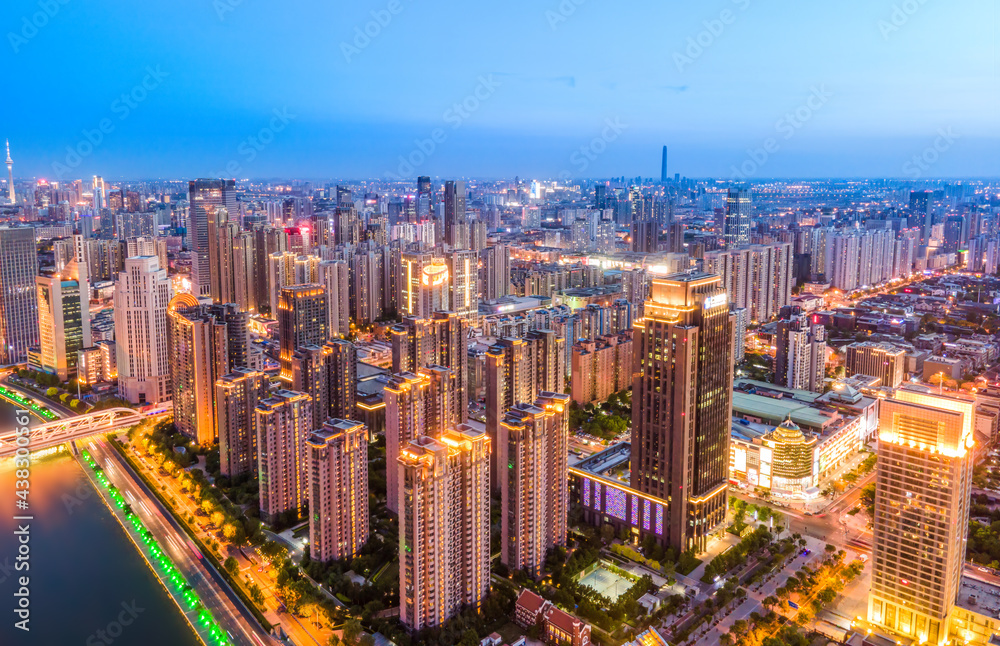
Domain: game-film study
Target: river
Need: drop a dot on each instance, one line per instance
(85, 574)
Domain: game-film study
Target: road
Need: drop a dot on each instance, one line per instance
(301, 632)
(211, 588)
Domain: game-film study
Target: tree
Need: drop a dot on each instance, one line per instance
(232, 565)
(770, 601)
(333, 640)
(469, 638)
(352, 630)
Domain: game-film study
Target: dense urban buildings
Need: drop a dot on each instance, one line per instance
(338, 489)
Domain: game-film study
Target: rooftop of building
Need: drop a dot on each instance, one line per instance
(979, 596)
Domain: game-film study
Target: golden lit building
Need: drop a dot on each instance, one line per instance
(444, 526)
(301, 321)
(791, 458)
(338, 489)
(283, 422)
(921, 511)
(534, 490)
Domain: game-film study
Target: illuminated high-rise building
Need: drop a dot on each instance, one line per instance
(334, 276)
(517, 371)
(455, 229)
(329, 375)
(10, 176)
(236, 398)
(206, 196)
(142, 295)
(739, 212)
(63, 319)
(495, 271)
(442, 339)
(283, 422)
(338, 489)
(18, 301)
(444, 526)
(463, 276)
(800, 361)
(301, 321)
(206, 342)
(682, 404)
(534, 490)
(922, 491)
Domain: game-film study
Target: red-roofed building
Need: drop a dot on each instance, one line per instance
(558, 627)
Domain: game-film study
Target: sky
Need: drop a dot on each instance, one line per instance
(560, 89)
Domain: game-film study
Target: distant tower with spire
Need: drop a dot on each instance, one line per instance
(10, 175)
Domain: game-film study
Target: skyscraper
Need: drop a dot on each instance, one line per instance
(334, 276)
(283, 422)
(206, 342)
(338, 489)
(142, 295)
(206, 196)
(442, 339)
(663, 167)
(682, 404)
(739, 212)
(463, 272)
(63, 319)
(236, 397)
(534, 487)
(921, 517)
(444, 526)
(329, 375)
(18, 301)
(301, 321)
(455, 230)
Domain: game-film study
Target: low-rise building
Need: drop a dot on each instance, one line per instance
(558, 627)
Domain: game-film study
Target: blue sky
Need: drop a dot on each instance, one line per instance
(713, 80)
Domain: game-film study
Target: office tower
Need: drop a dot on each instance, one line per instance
(443, 340)
(425, 198)
(534, 489)
(236, 397)
(10, 176)
(137, 224)
(645, 236)
(329, 375)
(142, 295)
(682, 404)
(301, 321)
(739, 212)
(426, 285)
(922, 491)
(444, 526)
(283, 421)
(463, 272)
(63, 319)
(335, 277)
(18, 301)
(601, 366)
(367, 284)
(455, 231)
(205, 342)
(206, 196)
(338, 490)
(800, 361)
(421, 403)
(495, 272)
(663, 167)
(881, 360)
(267, 240)
(517, 371)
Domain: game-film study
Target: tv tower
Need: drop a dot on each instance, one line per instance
(10, 175)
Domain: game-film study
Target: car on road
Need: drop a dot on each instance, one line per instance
(982, 569)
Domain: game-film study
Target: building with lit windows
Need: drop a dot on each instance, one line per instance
(682, 404)
(442, 339)
(601, 367)
(283, 422)
(533, 488)
(141, 299)
(301, 321)
(338, 489)
(923, 486)
(18, 301)
(63, 319)
(236, 398)
(444, 526)
(882, 360)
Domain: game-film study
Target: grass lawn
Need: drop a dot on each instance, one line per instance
(687, 567)
(510, 632)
